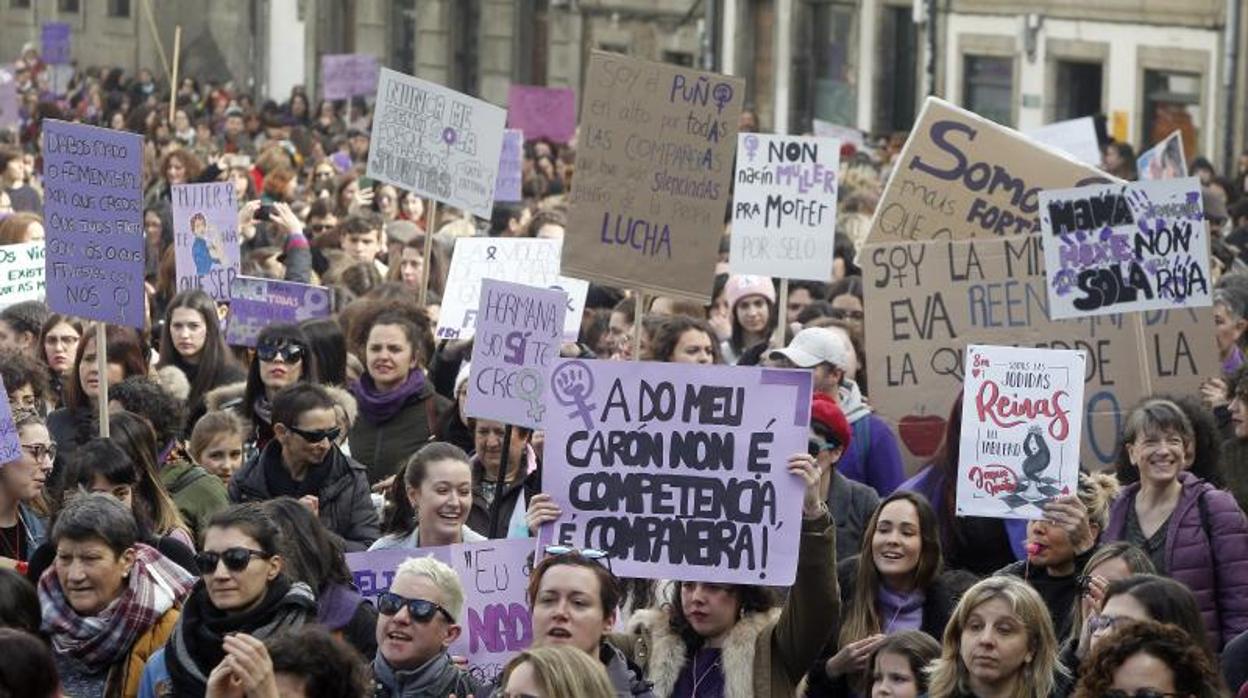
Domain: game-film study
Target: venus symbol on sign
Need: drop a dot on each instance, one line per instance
(571, 384)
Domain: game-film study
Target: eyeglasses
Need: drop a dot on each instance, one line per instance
(315, 436)
(289, 353)
(1138, 693)
(843, 314)
(1103, 623)
(592, 554)
(235, 559)
(421, 610)
(40, 452)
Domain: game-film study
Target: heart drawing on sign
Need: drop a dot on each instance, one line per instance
(975, 372)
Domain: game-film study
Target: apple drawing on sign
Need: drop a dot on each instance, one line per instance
(921, 433)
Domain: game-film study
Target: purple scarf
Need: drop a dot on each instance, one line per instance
(379, 407)
(900, 611)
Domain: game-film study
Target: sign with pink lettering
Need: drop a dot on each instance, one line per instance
(1022, 413)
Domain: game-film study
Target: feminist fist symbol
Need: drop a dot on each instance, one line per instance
(572, 382)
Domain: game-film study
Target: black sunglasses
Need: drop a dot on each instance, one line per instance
(317, 435)
(421, 610)
(235, 559)
(592, 554)
(290, 353)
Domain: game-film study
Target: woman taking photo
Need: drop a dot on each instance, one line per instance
(1191, 531)
(1150, 659)
(429, 505)
(192, 342)
(110, 602)
(241, 589)
(752, 309)
(22, 486)
(59, 340)
(283, 358)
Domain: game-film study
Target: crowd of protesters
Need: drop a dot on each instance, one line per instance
(199, 549)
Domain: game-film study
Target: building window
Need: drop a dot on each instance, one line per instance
(118, 8)
(19, 4)
(835, 47)
(69, 7)
(1078, 89)
(988, 87)
(896, 86)
(1172, 103)
(680, 58)
(613, 48)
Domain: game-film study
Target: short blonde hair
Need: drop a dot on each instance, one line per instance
(563, 672)
(442, 576)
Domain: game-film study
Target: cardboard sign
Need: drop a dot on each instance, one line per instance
(495, 620)
(654, 158)
(10, 116)
(348, 75)
(510, 164)
(22, 273)
(54, 43)
(518, 332)
(1113, 248)
(10, 444)
(257, 303)
(1021, 421)
(542, 112)
(784, 206)
(205, 237)
(1076, 137)
(529, 261)
(1164, 160)
(93, 215)
(678, 471)
(436, 142)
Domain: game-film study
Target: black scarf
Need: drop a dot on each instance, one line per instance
(196, 647)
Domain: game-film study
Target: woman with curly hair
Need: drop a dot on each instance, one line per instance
(1150, 658)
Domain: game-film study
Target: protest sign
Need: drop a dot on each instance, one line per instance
(93, 215)
(257, 303)
(10, 117)
(1112, 248)
(348, 75)
(54, 41)
(653, 168)
(1075, 137)
(436, 142)
(510, 162)
(678, 471)
(844, 134)
(784, 206)
(530, 261)
(10, 444)
(21, 273)
(518, 332)
(495, 618)
(1022, 415)
(542, 112)
(205, 237)
(1164, 160)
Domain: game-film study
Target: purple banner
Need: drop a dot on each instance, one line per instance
(205, 237)
(542, 112)
(495, 618)
(507, 186)
(93, 214)
(519, 329)
(348, 75)
(257, 303)
(54, 43)
(10, 444)
(678, 471)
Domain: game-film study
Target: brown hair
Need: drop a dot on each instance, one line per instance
(608, 585)
(1193, 669)
(124, 348)
(13, 229)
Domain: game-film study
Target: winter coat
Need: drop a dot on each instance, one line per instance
(345, 504)
(765, 655)
(438, 678)
(122, 680)
(35, 527)
(874, 456)
(384, 447)
(1058, 593)
(514, 493)
(852, 504)
(1206, 549)
(198, 493)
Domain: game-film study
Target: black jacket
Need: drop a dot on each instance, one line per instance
(479, 517)
(1059, 593)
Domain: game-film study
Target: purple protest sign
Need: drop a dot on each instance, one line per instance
(348, 75)
(257, 303)
(205, 237)
(542, 112)
(93, 215)
(519, 329)
(678, 471)
(495, 618)
(10, 118)
(54, 43)
(507, 186)
(10, 444)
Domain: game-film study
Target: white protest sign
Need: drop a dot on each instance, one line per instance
(1112, 248)
(784, 206)
(844, 134)
(1075, 137)
(1164, 160)
(21, 273)
(1022, 420)
(436, 142)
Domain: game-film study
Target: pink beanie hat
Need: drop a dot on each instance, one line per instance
(739, 287)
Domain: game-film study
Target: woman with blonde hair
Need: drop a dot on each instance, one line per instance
(999, 643)
(555, 671)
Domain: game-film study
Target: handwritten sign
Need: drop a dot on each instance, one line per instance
(436, 142)
(519, 329)
(529, 261)
(495, 620)
(1022, 414)
(1164, 160)
(54, 41)
(542, 112)
(1075, 137)
(257, 303)
(510, 163)
(347, 75)
(1114, 248)
(784, 206)
(678, 472)
(22, 273)
(93, 213)
(653, 168)
(205, 237)
(10, 444)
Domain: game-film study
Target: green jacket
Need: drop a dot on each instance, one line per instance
(198, 493)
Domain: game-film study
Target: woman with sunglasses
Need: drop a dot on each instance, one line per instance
(241, 589)
(22, 484)
(283, 357)
(191, 341)
(430, 504)
(1150, 660)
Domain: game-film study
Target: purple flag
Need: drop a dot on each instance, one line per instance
(256, 303)
(54, 43)
(542, 112)
(205, 237)
(507, 186)
(348, 75)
